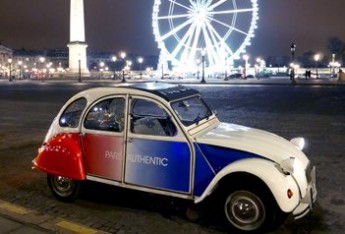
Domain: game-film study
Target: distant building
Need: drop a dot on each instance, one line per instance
(55, 62)
(5, 55)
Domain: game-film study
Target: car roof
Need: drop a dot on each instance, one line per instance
(169, 92)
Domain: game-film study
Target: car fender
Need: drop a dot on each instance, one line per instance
(62, 156)
(270, 173)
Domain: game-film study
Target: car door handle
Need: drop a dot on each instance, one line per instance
(130, 140)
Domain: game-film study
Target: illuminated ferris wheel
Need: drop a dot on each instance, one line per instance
(217, 30)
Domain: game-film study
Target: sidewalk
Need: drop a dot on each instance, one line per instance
(9, 225)
(19, 220)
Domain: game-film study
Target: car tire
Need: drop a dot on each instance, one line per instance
(251, 211)
(64, 189)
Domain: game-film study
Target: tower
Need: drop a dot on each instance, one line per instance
(77, 46)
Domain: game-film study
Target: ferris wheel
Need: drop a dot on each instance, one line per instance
(215, 30)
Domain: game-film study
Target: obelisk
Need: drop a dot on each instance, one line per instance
(77, 46)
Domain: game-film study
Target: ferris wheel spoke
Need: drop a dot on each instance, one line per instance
(186, 51)
(194, 45)
(211, 7)
(230, 27)
(211, 53)
(233, 11)
(179, 4)
(218, 40)
(176, 29)
(208, 3)
(183, 41)
(173, 16)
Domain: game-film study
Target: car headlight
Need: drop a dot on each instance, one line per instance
(299, 142)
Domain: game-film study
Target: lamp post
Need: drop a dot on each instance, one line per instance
(123, 56)
(128, 67)
(48, 69)
(203, 53)
(258, 66)
(20, 64)
(246, 58)
(101, 64)
(10, 67)
(226, 67)
(140, 61)
(292, 72)
(293, 50)
(42, 59)
(198, 68)
(114, 58)
(316, 58)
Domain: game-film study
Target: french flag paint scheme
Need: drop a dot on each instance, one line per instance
(62, 155)
(191, 162)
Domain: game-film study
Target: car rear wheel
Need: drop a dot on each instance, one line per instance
(63, 188)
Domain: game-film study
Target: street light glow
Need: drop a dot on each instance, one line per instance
(317, 57)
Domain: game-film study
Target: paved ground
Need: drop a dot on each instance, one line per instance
(26, 205)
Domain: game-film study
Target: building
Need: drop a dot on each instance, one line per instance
(5, 60)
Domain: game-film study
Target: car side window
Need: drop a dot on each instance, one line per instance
(148, 118)
(106, 115)
(71, 116)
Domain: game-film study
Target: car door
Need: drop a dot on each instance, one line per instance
(158, 154)
(102, 137)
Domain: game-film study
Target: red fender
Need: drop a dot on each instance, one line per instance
(62, 156)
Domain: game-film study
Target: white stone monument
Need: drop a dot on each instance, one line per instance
(77, 46)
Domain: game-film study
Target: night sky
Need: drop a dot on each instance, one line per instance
(113, 25)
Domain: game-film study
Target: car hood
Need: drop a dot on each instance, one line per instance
(259, 142)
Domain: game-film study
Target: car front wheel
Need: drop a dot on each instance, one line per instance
(63, 188)
(244, 210)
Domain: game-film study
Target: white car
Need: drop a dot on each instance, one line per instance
(164, 139)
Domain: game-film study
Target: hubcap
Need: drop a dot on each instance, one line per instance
(244, 210)
(63, 185)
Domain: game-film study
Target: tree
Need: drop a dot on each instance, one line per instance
(336, 46)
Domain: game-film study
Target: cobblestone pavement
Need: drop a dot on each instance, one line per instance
(315, 112)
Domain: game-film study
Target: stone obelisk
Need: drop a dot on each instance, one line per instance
(77, 46)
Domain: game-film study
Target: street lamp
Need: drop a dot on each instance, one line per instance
(10, 67)
(114, 58)
(198, 68)
(123, 56)
(203, 53)
(316, 58)
(48, 69)
(20, 63)
(246, 58)
(101, 64)
(128, 67)
(292, 72)
(257, 67)
(140, 61)
(42, 59)
(293, 50)
(226, 67)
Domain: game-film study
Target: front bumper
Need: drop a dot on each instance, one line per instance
(308, 201)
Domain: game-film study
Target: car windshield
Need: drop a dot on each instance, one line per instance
(191, 110)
